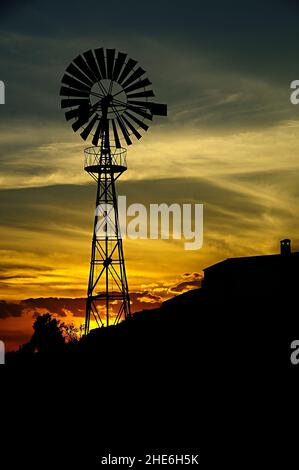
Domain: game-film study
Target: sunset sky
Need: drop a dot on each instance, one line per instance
(230, 142)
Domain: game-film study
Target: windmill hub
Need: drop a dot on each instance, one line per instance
(107, 101)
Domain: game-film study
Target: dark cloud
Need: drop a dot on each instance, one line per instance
(41, 210)
(140, 300)
(231, 206)
(191, 281)
(184, 286)
(229, 63)
(9, 309)
(144, 300)
(74, 306)
(6, 278)
(67, 208)
(58, 306)
(37, 268)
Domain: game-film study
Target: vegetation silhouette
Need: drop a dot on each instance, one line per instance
(245, 308)
(209, 369)
(48, 334)
(51, 338)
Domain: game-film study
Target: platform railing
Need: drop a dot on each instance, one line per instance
(92, 161)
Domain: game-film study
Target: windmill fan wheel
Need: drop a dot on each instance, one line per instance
(107, 96)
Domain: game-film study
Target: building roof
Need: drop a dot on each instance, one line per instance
(254, 261)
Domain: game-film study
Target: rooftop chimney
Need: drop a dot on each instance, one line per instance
(285, 247)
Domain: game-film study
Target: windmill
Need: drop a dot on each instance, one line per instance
(107, 96)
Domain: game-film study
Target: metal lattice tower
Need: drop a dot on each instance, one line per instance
(107, 278)
(107, 94)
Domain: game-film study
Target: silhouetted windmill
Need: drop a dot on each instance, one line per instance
(107, 94)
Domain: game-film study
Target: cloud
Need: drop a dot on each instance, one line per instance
(58, 306)
(145, 300)
(191, 281)
(69, 308)
(8, 309)
(247, 210)
(75, 307)
(213, 76)
(7, 278)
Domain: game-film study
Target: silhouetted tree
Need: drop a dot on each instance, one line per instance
(26, 349)
(71, 333)
(48, 336)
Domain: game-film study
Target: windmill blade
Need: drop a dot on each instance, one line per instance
(116, 137)
(64, 91)
(139, 84)
(83, 116)
(138, 121)
(140, 112)
(121, 57)
(91, 62)
(142, 104)
(130, 126)
(73, 83)
(79, 123)
(82, 65)
(73, 113)
(76, 73)
(84, 134)
(142, 94)
(101, 61)
(127, 69)
(97, 133)
(135, 75)
(110, 62)
(70, 103)
(158, 109)
(124, 131)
